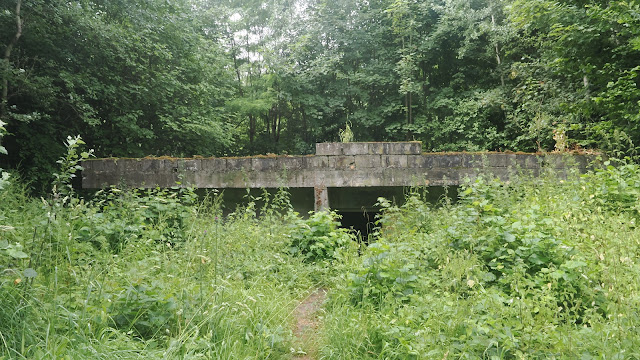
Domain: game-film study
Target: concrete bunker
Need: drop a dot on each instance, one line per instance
(347, 177)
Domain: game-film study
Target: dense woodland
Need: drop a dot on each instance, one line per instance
(241, 77)
(533, 268)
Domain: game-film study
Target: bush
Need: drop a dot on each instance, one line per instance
(387, 270)
(615, 188)
(159, 214)
(144, 310)
(318, 237)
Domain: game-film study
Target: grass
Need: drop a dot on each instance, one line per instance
(537, 268)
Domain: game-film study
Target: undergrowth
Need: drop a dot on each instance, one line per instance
(530, 269)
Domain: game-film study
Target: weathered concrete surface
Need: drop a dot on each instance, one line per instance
(336, 165)
(369, 148)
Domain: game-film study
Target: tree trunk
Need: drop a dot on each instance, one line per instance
(4, 102)
(279, 126)
(497, 48)
(252, 129)
(305, 130)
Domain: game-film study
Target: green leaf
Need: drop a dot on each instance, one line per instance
(509, 237)
(572, 264)
(17, 254)
(30, 273)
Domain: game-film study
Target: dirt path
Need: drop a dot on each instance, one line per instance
(307, 322)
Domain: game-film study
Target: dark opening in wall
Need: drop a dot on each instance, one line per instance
(301, 199)
(362, 223)
(359, 211)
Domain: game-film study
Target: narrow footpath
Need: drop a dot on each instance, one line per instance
(307, 316)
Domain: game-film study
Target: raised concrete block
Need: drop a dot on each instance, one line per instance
(342, 162)
(329, 149)
(394, 161)
(375, 148)
(291, 163)
(375, 167)
(424, 161)
(316, 162)
(449, 161)
(168, 165)
(149, 165)
(189, 165)
(402, 148)
(527, 161)
(501, 160)
(367, 161)
(372, 148)
(471, 160)
(355, 148)
(397, 177)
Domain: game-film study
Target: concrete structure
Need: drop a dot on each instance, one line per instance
(335, 165)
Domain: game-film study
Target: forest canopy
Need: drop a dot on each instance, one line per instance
(242, 77)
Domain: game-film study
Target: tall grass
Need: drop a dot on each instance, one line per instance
(534, 268)
(144, 275)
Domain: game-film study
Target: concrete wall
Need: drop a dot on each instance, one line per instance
(359, 170)
(336, 165)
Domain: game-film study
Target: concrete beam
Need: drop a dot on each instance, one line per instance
(365, 170)
(338, 165)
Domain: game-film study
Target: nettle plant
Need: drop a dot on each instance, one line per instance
(318, 237)
(518, 245)
(388, 270)
(120, 216)
(144, 311)
(615, 188)
(69, 165)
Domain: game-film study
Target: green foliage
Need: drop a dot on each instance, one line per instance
(492, 273)
(536, 267)
(3, 130)
(145, 311)
(318, 237)
(520, 246)
(69, 166)
(123, 75)
(160, 215)
(240, 78)
(346, 135)
(615, 188)
(182, 282)
(15, 315)
(387, 270)
(4, 176)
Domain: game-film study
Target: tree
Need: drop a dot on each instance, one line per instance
(134, 79)
(583, 54)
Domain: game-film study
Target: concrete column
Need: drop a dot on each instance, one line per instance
(321, 198)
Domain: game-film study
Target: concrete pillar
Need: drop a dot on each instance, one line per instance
(321, 198)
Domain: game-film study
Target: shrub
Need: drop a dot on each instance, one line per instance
(318, 237)
(615, 188)
(144, 310)
(121, 216)
(387, 269)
